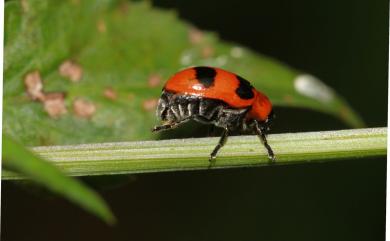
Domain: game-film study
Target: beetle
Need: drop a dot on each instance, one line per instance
(215, 96)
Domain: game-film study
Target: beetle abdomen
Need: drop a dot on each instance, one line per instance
(175, 108)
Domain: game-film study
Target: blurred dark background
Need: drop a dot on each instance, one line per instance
(345, 44)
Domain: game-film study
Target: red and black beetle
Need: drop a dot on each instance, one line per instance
(215, 96)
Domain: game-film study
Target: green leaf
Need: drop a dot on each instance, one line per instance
(119, 46)
(23, 162)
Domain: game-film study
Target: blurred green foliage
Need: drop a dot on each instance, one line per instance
(125, 51)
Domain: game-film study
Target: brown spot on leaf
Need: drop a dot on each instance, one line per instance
(101, 26)
(110, 93)
(34, 86)
(154, 80)
(195, 35)
(83, 108)
(150, 104)
(207, 52)
(71, 70)
(54, 104)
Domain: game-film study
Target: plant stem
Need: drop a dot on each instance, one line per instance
(193, 154)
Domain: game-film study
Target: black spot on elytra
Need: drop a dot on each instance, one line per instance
(205, 76)
(244, 89)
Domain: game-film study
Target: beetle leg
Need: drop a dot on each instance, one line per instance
(170, 125)
(261, 134)
(220, 144)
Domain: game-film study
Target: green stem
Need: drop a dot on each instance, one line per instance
(193, 154)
